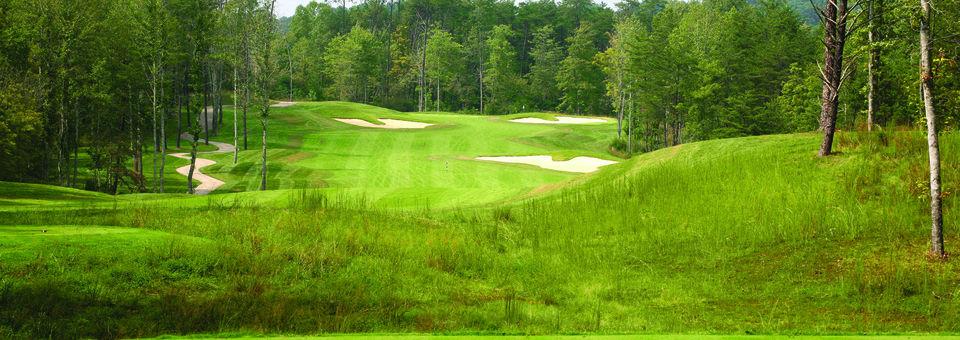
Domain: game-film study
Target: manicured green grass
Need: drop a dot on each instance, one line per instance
(431, 167)
(739, 236)
(425, 168)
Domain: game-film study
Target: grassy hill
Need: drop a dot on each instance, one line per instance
(736, 236)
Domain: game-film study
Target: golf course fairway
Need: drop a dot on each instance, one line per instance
(395, 231)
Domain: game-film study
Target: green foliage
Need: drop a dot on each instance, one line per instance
(898, 101)
(501, 74)
(799, 101)
(546, 56)
(444, 61)
(678, 71)
(351, 61)
(311, 29)
(734, 73)
(696, 71)
(20, 126)
(579, 78)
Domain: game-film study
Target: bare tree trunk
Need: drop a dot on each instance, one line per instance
(629, 124)
(835, 33)
(247, 72)
(163, 134)
(421, 76)
(206, 122)
(236, 150)
(933, 147)
(129, 125)
(76, 143)
(141, 143)
(871, 65)
(263, 154)
(60, 140)
(156, 141)
(179, 108)
(438, 94)
(290, 63)
(620, 96)
(188, 97)
(481, 84)
(193, 160)
(666, 134)
(215, 98)
(246, 104)
(219, 96)
(262, 82)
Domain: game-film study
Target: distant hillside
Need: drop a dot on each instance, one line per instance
(805, 10)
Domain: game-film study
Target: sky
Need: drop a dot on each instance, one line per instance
(286, 8)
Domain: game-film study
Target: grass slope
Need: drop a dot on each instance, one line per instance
(738, 236)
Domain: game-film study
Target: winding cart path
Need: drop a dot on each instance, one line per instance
(207, 183)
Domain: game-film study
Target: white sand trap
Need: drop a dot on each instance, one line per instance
(207, 183)
(560, 120)
(387, 123)
(577, 164)
(283, 104)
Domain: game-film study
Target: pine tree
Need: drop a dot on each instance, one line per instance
(579, 79)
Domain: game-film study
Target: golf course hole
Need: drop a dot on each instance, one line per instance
(387, 123)
(576, 164)
(560, 120)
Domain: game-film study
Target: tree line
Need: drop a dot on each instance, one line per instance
(114, 79)
(671, 71)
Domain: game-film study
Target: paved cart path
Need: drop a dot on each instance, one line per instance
(207, 183)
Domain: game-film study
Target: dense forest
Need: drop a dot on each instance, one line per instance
(86, 89)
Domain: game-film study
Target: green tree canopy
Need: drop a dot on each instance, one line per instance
(352, 64)
(444, 61)
(546, 56)
(502, 78)
(579, 78)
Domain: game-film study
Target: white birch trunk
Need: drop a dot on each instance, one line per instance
(926, 85)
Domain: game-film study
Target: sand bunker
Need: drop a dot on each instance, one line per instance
(577, 164)
(387, 123)
(283, 104)
(560, 120)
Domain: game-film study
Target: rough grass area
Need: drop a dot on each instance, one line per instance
(738, 236)
(408, 336)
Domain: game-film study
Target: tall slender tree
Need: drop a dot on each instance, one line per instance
(443, 54)
(546, 55)
(874, 8)
(501, 76)
(266, 33)
(933, 146)
(154, 29)
(836, 17)
(579, 79)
